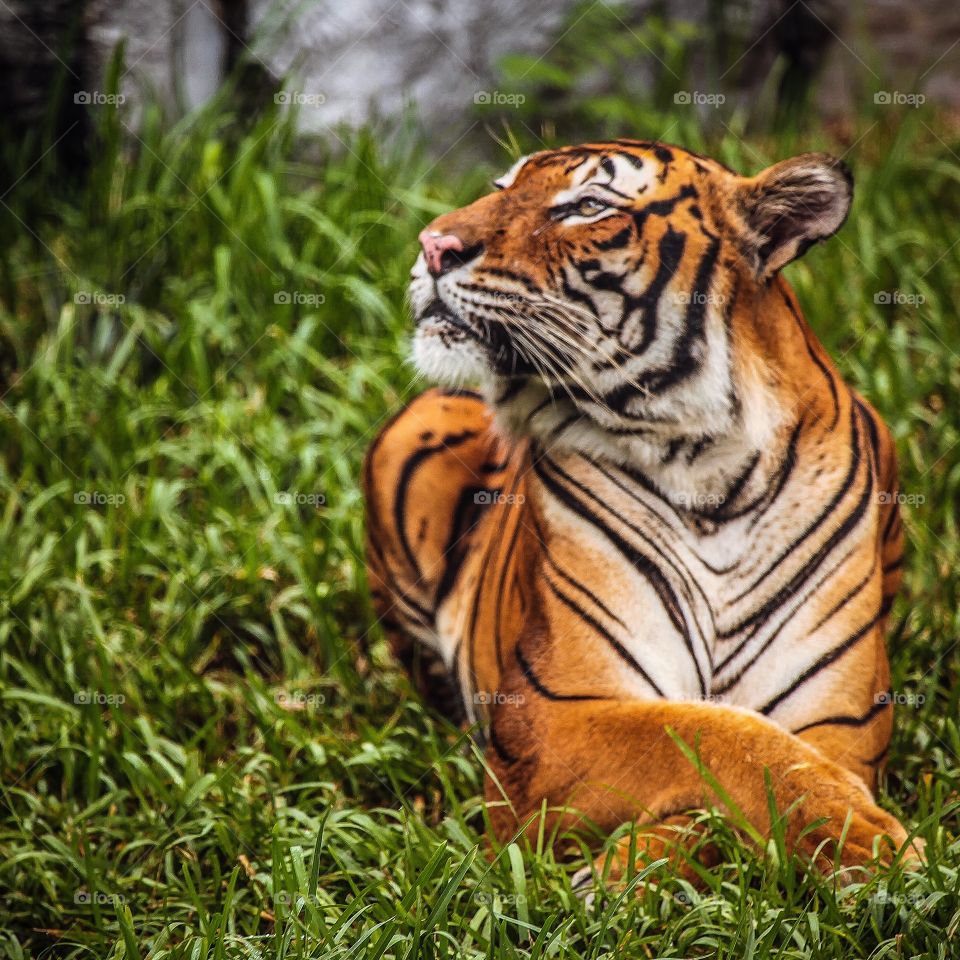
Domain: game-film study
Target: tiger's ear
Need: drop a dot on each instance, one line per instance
(792, 205)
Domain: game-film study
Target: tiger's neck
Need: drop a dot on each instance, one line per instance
(712, 440)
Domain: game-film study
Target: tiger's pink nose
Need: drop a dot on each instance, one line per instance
(440, 250)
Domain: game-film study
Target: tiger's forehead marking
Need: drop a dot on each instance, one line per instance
(623, 174)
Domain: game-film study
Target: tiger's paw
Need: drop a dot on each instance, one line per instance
(854, 831)
(657, 843)
(862, 839)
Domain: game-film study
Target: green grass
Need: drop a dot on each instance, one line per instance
(205, 749)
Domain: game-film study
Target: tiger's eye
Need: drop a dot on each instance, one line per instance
(590, 205)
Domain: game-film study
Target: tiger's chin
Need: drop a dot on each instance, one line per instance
(446, 353)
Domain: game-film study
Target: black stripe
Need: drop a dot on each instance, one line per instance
(466, 515)
(489, 467)
(619, 240)
(497, 638)
(493, 550)
(887, 604)
(501, 751)
(894, 514)
(699, 446)
(634, 161)
(576, 584)
(578, 296)
(786, 470)
(514, 386)
(733, 654)
(639, 561)
(534, 682)
(621, 650)
(563, 424)
(572, 167)
(375, 553)
(410, 466)
(660, 208)
(736, 488)
(529, 285)
(802, 575)
(683, 361)
(872, 430)
(673, 448)
(838, 534)
(459, 392)
(879, 758)
(687, 580)
(423, 615)
(669, 253)
(647, 484)
(845, 599)
(601, 279)
(664, 151)
(846, 720)
(547, 401)
(586, 591)
(823, 662)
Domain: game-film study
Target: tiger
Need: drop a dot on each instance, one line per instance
(641, 527)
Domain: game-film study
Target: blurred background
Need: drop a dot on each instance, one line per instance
(208, 212)
(351, 63)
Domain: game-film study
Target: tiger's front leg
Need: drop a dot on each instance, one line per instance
(426, 484)
(609, 762)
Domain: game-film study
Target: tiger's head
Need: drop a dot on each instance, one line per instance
(599, 283)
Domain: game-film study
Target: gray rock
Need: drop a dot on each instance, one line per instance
(347, 62)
